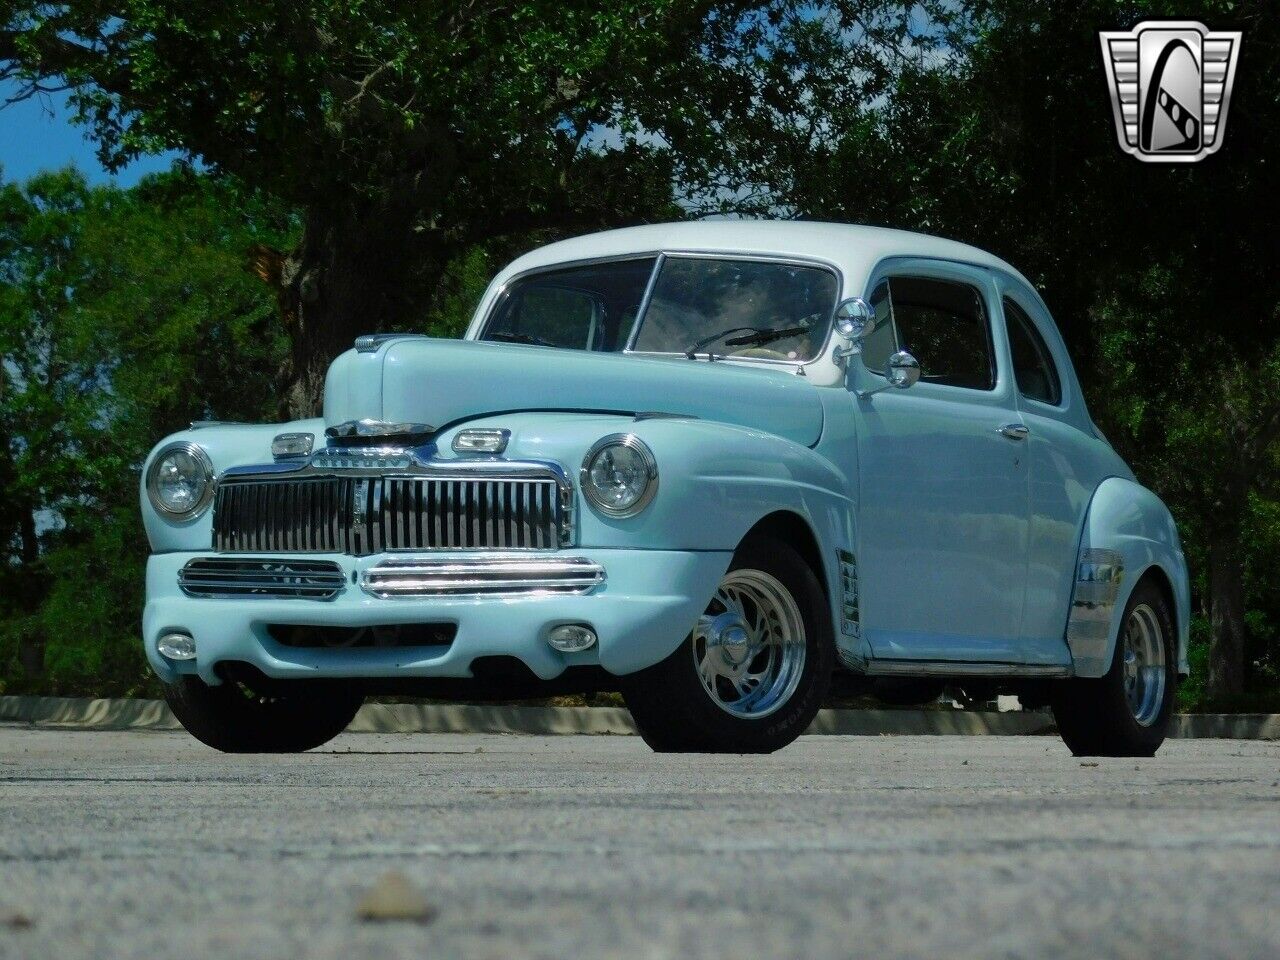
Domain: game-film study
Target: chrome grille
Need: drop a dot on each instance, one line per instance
(233, 577)
(419, 577)
(362, 515)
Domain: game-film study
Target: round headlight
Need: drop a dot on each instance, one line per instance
(180, 480)
(619, 475)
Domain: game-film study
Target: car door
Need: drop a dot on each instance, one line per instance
(943, 480)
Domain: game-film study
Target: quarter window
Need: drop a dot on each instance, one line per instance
(1032, 363)
(942, 323)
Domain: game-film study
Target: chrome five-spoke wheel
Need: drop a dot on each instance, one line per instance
(749, 647)
(753, 670)
(1143, 664)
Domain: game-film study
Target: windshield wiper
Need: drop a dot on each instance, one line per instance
(519, 338)
(765, 335)
(754, 336)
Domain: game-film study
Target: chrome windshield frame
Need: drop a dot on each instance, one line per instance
(659, 257)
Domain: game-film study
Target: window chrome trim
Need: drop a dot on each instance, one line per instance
(630, 345)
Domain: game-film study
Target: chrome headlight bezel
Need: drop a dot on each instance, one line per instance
(196, 453)
(631, 442)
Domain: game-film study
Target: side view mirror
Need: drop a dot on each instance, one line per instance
(903, 371)
(854, 320)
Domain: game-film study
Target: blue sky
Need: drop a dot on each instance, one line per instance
(38, 135)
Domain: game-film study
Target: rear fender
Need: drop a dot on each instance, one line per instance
(1127, 533)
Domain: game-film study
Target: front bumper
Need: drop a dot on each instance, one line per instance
(641, 612)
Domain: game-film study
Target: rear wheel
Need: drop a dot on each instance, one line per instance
(755, 669)
(235, 718)
(1125, 713)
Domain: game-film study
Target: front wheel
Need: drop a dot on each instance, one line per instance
(755, 669)
(285, 718)
(1125, 713)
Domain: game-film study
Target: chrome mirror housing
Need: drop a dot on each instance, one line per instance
(902, 371)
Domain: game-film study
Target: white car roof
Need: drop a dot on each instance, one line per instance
(854, 249)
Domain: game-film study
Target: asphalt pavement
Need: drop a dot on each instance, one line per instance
(146, 844)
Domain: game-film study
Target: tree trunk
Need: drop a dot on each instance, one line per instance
(1226, 613)
(350, 275)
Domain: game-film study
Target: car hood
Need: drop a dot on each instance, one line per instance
(442, 382)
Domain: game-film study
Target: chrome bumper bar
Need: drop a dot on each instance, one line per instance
(481, 576)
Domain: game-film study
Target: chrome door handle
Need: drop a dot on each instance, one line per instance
(1015, 431)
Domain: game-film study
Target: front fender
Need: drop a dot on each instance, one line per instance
(1128, 531)
(715, 483)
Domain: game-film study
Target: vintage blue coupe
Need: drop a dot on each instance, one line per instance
(711, 465)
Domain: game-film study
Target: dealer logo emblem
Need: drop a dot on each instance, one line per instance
(1170, 88)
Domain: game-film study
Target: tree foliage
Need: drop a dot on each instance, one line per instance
(408, 134)
(124, 315)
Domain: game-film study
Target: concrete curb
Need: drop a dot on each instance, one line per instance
(89, 714)
(1227, 726)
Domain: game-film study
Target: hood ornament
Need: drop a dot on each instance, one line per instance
(357, 432)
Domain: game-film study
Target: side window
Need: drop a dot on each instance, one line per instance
(1032, 363)
(943, 324)
(877, 347)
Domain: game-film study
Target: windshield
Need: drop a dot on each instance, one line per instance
(725, 307)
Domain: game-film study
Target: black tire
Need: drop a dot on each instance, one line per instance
(676, 714)
(1094, 715)
(232, 718)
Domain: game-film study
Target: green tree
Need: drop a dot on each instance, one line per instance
(1161, 276)
(124, 315)
(409, 134)
(50, 372)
